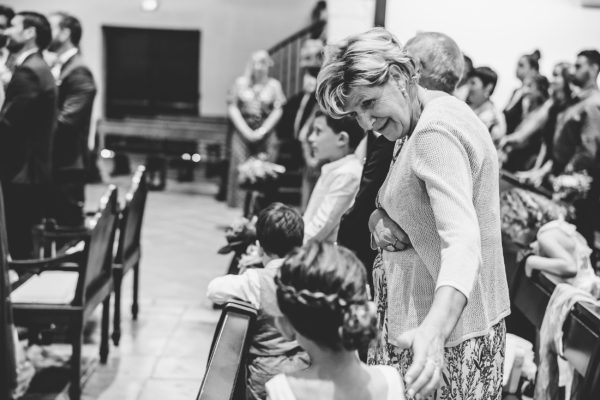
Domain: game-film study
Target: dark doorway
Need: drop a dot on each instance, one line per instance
(151, 72)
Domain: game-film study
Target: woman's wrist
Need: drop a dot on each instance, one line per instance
(446, 309)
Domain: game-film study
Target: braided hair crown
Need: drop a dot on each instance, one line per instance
(322, 288)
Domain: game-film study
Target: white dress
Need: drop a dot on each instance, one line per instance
(278, 388)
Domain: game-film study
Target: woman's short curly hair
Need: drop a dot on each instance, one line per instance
(360, 60)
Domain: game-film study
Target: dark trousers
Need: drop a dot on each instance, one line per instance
(25, 206)
(68, 198)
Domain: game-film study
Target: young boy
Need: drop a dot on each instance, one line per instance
(333, 142)
(279, 229)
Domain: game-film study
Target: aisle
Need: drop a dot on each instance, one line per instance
(163, 354)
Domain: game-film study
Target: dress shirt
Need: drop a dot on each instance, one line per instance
(61, 60)
(246, 287)
(332, 196)
(23, 56)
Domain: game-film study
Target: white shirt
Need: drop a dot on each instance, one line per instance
(23, 56)
(244, 287)
(61, 60)
(332, 196)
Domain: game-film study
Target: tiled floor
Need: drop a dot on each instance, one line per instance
(162, 355)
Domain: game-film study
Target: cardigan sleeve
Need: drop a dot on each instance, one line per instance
(443, 164)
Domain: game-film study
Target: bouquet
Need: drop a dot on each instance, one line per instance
(239, 236)
(256, 172)
(572, 186)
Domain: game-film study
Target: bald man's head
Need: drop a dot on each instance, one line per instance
(441, 60)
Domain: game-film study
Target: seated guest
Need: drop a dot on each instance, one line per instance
(333, 142)
(322, 293)
(279, 229)
(561, 251)
(527, 66)
(481, 86)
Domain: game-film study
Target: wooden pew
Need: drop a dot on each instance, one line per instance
(90, 272)
(225, 376)
(129, 249)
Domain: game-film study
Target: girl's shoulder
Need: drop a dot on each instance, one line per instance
(392, 379)
(278, 388)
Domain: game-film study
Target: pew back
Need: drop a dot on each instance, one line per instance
(225, 378)
(131, 219)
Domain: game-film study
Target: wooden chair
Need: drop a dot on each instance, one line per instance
(225, 376)
(79, 287)
(129, 249)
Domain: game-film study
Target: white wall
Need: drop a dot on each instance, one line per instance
(347, 17)
(231, 30)
(497, 32)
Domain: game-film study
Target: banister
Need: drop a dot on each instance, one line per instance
(292, 38)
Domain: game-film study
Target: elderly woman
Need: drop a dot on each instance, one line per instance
(255, 103)
(444, 296)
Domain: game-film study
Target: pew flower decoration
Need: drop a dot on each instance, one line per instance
(239, 236)
(570, 187)
(256, 172)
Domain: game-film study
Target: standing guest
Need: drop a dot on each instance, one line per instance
(462, 88)
(6, 15)
(27, 121)
(481, 86)
(577, 143)
(255, 103)
(333, 142)
(279, 229)
(527, 66)
(441, 66)
(76, 92)
(443, 299)
(322, 293)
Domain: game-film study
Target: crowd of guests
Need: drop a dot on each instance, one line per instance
(402, 149)
(47, 94)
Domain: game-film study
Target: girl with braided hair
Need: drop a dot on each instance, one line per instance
(322, 294)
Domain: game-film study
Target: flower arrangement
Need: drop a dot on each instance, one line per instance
(239, 236)
(571, 186)
(256, 172)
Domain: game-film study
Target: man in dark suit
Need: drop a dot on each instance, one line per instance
(76, 93)
(441, 68)
(27, 121)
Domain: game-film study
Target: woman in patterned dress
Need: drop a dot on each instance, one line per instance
(255, 103)
(443, 298)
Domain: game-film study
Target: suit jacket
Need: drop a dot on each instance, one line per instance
(76, 93)
(27, 121)
(354, 229)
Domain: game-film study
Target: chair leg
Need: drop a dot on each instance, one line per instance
(117, 279)
(136, 284)
(104, 330)
(77, 341)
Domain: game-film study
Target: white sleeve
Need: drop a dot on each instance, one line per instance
(244, 287)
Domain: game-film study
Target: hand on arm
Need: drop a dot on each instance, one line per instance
(386, 233)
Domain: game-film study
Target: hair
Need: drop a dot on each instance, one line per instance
(67, 21)
(542, 84)
(43, 32)
(322, 287)
(8, 12)
(344, 124)
(533, 59)
(360, 60)
(257, 54)
(487, 75)
(592, 55)
(440, 58)
(564, 68)
(279, 229)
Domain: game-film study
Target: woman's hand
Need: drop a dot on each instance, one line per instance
(386, 233)
(425, 373)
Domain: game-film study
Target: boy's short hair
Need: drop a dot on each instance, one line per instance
(487, 75)
(592, 55)
(345, 124)
(279, 229)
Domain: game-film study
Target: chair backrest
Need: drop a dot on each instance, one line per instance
(98, 249)
(8, 363)
(581, 345)
(132, 216)
(225, 378)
